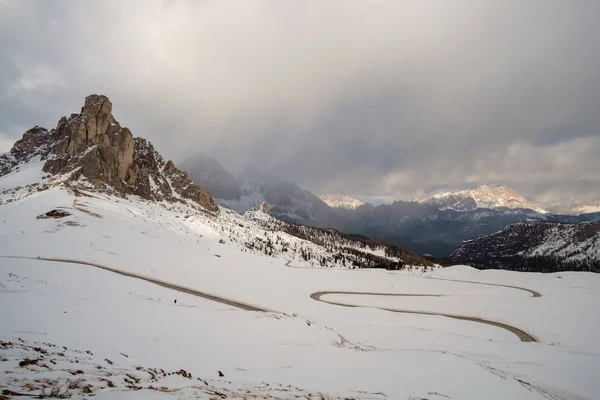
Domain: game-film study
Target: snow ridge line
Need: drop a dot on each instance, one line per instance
(521, 334)
(172, 286)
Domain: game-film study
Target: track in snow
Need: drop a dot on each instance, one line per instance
(193, 292)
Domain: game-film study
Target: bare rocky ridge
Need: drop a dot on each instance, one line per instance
(93, 146)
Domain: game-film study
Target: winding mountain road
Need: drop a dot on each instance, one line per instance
(521, 334)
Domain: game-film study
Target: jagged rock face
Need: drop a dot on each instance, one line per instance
(35, 142)
(151, 177)
(94, 141)
(93, 145)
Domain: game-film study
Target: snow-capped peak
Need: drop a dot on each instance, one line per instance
(486, 196)
(340, 200)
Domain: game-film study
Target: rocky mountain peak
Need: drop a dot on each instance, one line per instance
(486, 196)
(93, 150)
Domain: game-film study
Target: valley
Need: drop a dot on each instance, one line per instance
(300, 347)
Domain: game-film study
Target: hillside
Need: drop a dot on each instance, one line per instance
(535, 246)
(347, 251)
(90, 154)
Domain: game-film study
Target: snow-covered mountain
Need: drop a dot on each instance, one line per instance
(341, 200)
(535, 246)
(486, 196)
(433, 227)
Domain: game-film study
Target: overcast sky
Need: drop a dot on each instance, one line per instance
(391, 99)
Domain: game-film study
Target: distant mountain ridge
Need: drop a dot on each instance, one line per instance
(341, 200)
(254, 187)
(569, 207)
(486, 196)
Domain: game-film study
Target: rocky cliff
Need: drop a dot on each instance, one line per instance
(92, 149)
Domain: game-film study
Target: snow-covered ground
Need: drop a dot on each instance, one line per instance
(115, 326)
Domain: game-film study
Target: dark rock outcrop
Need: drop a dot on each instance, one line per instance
(94, 147)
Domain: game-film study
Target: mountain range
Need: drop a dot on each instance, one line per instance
(91, 151)
(433, 226)
(486, 196)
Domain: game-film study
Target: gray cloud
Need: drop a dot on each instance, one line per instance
(378, 98)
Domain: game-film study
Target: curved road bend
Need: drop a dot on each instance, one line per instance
(193, 292)
(521, 334)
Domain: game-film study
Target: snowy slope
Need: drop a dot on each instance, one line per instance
(314, 347)
(321, 349)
